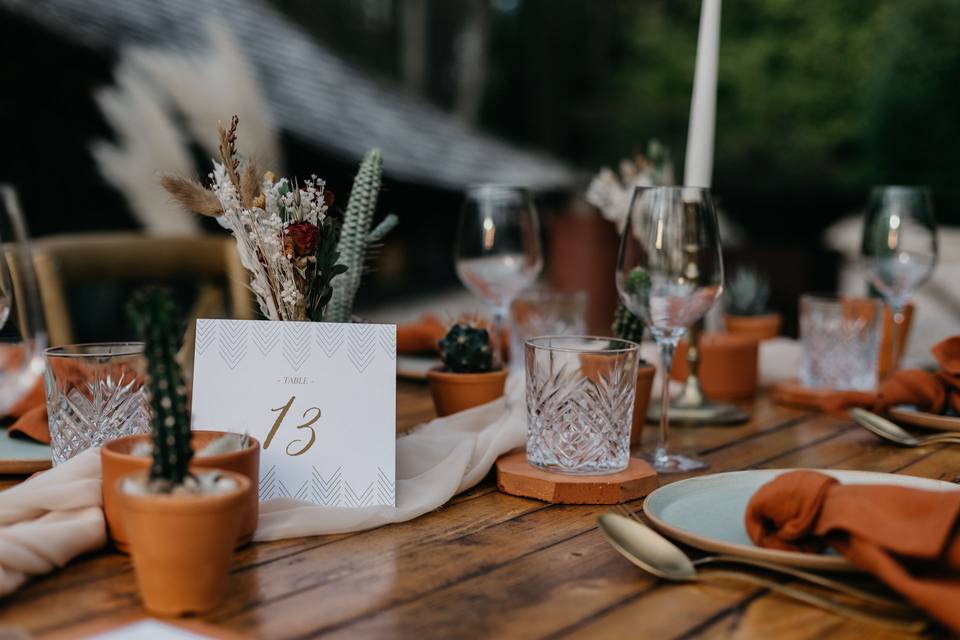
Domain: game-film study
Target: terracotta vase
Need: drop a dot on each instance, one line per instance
(455, 392)
(641, 402)
(728, 365)
(760, 327)
(116, 462)
(182, 545)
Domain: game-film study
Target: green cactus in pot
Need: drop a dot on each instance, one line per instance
(466, 348)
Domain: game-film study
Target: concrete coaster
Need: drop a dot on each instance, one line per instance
(519, 478)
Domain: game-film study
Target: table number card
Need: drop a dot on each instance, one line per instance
(320, 397)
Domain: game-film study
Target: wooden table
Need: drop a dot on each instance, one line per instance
(492, 565)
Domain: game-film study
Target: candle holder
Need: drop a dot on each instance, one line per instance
(692, 406)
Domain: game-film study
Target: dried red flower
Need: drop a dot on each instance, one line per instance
(300, 240)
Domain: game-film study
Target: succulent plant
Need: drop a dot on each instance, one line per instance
(154, 314)
(748, 293)
(626, 325)
(356, 237)
(466, 349)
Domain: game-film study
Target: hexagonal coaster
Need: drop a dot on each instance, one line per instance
(519, 478)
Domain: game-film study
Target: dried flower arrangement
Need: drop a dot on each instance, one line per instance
(285, 236)
(611, 193)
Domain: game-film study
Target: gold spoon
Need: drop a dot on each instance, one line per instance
(799, 574)
(658, 556)
(887, 430)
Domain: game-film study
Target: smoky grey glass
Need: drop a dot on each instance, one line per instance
(580, 392)
(95, 393)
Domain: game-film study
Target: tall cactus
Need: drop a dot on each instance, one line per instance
(356, 235)
(154, 315)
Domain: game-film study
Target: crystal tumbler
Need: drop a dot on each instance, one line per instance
(841, 342)
(95, 393)
(546, 313)
(580, 392)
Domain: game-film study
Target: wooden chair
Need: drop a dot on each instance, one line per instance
(208, 260)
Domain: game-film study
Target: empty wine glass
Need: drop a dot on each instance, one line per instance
(899, 249)
(669, 273)
(497, 250)
(21, 319)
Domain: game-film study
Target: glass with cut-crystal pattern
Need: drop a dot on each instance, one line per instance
(95, 393)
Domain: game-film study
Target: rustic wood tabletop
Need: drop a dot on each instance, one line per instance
(492, 565)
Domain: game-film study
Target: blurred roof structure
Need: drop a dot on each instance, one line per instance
(312, 93)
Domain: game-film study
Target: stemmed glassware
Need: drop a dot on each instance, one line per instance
(21, 318)
(497, 249)
(899, 249)
(669, 273)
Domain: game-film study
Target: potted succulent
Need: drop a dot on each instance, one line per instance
(182, 525)
(470, 376)
(748, 293)
(627, 326)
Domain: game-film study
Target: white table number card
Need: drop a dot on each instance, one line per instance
(320, 397)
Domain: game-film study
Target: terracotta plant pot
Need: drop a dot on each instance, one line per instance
(728, 365)
(116, 462)
(645, 374)
(182, 545)
(455, 392)
(760, 327)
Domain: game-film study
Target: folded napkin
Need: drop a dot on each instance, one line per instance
(908, 538)
(421, 336)
(49, 519)
(57, 514)
(929, 391)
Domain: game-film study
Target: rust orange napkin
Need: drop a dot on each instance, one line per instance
(908, 538)
(30, 412)
(421, 336)
(928, 391)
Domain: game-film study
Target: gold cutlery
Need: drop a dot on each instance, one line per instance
(888, 430)
(658, 556)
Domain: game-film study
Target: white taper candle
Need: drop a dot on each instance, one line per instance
(698, 168)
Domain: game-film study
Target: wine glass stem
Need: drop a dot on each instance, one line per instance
(896, 326)
(501, 321)
(666, 364)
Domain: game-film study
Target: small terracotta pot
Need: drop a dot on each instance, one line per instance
(455, 392)
(116, 462)
(728, 365)
(760, 327)
(645, 374)
(182, 545)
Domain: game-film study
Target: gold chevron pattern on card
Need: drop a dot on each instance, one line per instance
(329, 337)
(296, 343)
(232, 342)
(361, 346)
(206, 334)
(266, 335)
(388, 341)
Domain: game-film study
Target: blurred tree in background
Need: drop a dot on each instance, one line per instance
(817, 100)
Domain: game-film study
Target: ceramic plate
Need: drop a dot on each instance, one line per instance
(415, 367)
(22, 456)
(707, 512)
(909, 415)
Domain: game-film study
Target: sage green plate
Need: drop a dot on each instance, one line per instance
(22, 456)
(707, 512)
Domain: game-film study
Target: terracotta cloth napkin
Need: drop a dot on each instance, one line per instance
(57, 514)
(49, 519)
(908, 538)
(928, 391)
(421, 336)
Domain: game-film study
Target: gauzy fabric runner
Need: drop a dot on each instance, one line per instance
(57, 515)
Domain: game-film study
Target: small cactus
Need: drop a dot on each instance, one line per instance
(466, 349)
(356, 235)
(748, 293)
(154, 315)
(626, 325)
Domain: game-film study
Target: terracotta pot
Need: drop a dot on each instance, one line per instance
(455, 392)
(645, 374)
(116, 462)
(182, 545)
(886, 345)
(760, 327)
(728, 365)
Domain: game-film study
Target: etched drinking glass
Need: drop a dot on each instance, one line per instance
(541, 312)
(95, 393)
(580, 393)
(841, 342)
